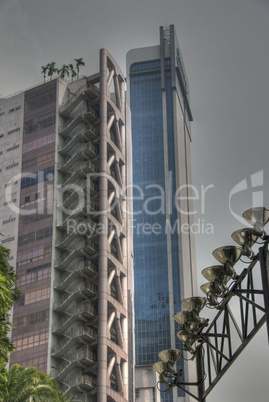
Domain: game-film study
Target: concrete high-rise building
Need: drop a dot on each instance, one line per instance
(65, 207)
(164, 252)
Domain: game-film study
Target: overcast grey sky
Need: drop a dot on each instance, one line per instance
(225, 46)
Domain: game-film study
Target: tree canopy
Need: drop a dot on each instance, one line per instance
(65, 70)
(9, 294)
(26, 384)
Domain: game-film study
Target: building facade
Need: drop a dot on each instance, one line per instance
(65, 208)
(164, 254)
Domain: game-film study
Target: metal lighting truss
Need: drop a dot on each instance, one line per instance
(229, 332)
(240, 315)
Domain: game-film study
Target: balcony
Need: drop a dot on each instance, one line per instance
(82, 94)
(81, 291)
(86, 248)
(73, 215)
(82, 152)
(83, 356)
(82, 171)
(85, 268)
(81, 334)
(85, 382)
(77, 136)
(84, 311)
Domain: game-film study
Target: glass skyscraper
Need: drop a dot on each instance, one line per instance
(164, 262)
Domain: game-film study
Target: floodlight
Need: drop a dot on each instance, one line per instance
(257, 217)
(161, 367)
(190, 321)
(246, 237)
(170, 355)
(187, 339)
(182, 317)
(211, 293)
(228, 255)
(184, 336)
(164, 380)
(219, 275)
(194, 303)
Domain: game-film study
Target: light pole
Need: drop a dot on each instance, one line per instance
(215, 345)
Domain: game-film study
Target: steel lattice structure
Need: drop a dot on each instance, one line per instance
(239, 317)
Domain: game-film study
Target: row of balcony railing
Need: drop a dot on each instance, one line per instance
(85, 309)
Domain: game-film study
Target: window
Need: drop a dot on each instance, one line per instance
(15, 130)
(36, 274)
(27, 199)
(12, 183)
(8, 221)
(12, 148)
(30, 341)
(10, 202)
(48, 139)
(14, 108)
(41, 176)
(37, 196)
(12, 166)
(31, 319)
(7, 240)
(33, 256)
(40, 160)
(34, 236)
(38, 123)
(36, 296)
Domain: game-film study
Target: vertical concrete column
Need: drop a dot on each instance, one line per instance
(124, 326)
(119, 376)
(122, 93)
(102, 261)
(124, 287)
(125, 379)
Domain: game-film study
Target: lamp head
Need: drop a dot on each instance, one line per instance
(167, 367)
(194, 303)
(190, 320)
(187, 339)
(212, 295)
(161, 368)
(246, 238)
(182, 317)
(184, 336)
(170, 355)
(257, 217)
(217, 273)
(228, 255)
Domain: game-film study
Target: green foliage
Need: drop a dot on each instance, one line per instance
(26, 384)
(73, 73)
(44, 71)
(50, 69)
(9, 294)
(79, 62)
(64, 70)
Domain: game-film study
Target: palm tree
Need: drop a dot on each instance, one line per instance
(26, 384)
(44, 71)
(79, 62)
(9, 294)
(51, 69)
(64, 70)
(73, 73)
